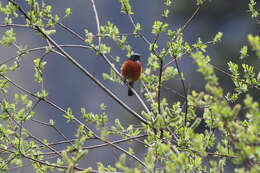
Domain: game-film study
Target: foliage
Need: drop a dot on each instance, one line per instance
(169, 131)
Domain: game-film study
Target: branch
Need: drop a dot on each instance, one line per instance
(108, 62)
(192, 16)
(73, 61)
(159, 86)
(98, 145)
(97, 21)
(184, 92)
(76, 120)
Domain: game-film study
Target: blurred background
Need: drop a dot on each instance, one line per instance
(69, 87)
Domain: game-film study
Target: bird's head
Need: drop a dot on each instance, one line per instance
(135, 57)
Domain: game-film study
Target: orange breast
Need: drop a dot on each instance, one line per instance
(131, 70)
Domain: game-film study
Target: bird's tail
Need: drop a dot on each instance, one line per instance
(130, 92)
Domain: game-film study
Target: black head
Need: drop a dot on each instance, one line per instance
(135, 57)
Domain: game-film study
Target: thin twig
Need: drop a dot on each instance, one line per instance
(192, 16)
(97, 21)
(148, 92)
(41, 48)
(76, 120)
(102, 145)
(13, 25)
(87, 73)
(141, 35)
(52, 165)
(55, 128)
(108, 62)
(73, 61)
(173, 91)
(30, 134)
(230, 75)
(184, 92)
(159, 87)
(184, 53)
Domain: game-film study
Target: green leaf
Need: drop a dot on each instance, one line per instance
(200, 2)
(9, 38)
(159, 27)
(3, 69)
(68, 12)
(243, 52)
(255, 43)
(102, 107)
(126, 7)
(254, 13)
(218, 37)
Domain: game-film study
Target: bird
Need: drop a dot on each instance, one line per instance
(131, 70)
